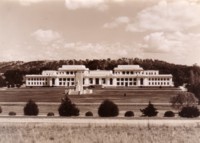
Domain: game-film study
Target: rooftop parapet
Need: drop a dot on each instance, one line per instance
(73, 68)
(128, 67)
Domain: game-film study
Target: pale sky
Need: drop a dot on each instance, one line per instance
(167, 30)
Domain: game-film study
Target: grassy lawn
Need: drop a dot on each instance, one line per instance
(116, 95)
(99, 131)
(54, 95)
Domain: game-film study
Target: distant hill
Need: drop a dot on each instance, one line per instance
(181, 73)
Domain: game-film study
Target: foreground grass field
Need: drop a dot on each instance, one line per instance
(43, 130)
(48, 99)
(54, 94)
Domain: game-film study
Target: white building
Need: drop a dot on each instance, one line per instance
(123, 75)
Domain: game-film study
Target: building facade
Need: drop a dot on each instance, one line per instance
(122, 76)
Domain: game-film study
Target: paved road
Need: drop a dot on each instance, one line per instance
(103, 121)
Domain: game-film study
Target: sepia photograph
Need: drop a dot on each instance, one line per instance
(99, 71)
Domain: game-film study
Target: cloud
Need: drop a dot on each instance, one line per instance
(101, 5)
(117, 21)
(46, 36)
(29, 2)
(76, 4)
(177, 15)
(175, 44)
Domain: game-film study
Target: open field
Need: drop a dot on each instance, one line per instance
(48, 99)
(70, 130)
(53, 107)
(117, 95)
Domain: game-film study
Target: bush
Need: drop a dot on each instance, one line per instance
(189, 112)
(149, 111)
(88, 113)
(67, 108)
(12, 113)
(183, 99)
(129, 114)
(169, 114)
(31, 108)
(108, 109)
(50, 114)
(0, 109)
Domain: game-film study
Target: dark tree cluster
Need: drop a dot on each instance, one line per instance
(67, 108)
(149, 111)
(108, 109)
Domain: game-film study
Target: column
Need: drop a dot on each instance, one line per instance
(87, 81)
(114, 82)
(138, 81)
(107, 81)
(56, 81)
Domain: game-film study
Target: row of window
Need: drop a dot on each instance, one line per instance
(162, 79)
(37, 83)
(126, 79)
(66, 83)
(66, 79)
(158, 83)
(137, 72)
(37, 79)
(126, 83)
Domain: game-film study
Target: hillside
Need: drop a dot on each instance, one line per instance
(181, 73)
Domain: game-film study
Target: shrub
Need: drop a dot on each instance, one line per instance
(67, 108)
(50, 114)
(31, 108)
(108, 109)
(149, 111)
(169, 114)
(183, 99)
(89, 113)
(11, 113)
(129, 114)
(0, 109)
(189, 112)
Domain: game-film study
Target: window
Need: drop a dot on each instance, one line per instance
(103, 80)
(118, 83)
(118, 79)
(91, 81)
(123, 72)
(131, 72)
(111, 81)
(126, 79)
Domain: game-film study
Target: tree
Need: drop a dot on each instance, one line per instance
(31, 108)
(2, 82)
(183, 99)
(67, 108)
(14, 77)
(150, 110)
(108, 109)
(189, 112)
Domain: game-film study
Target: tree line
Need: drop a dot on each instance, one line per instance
(181, 73)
